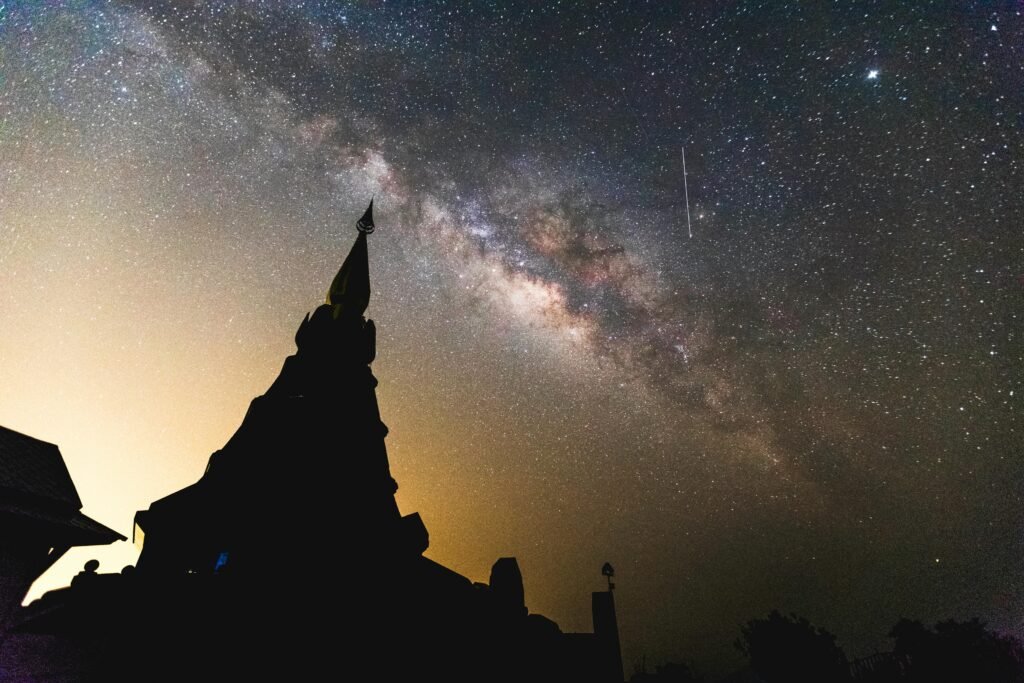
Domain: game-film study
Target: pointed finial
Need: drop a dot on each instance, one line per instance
(608, 571)
(365, 224)
(350, 291)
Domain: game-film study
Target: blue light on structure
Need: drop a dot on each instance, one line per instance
(222, 560)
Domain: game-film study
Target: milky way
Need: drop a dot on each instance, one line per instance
(812, 404)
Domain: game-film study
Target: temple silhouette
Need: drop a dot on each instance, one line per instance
(288, 559)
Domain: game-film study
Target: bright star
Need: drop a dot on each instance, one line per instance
(873, 74)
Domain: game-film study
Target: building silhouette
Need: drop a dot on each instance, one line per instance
(289, 558)
(40, 516)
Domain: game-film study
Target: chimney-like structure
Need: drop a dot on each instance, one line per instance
(506, 585)
(606, 633)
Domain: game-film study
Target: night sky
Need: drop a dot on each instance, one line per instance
(813, 404)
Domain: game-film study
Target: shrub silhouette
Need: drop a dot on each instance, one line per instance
(788, 649)
(957, 651)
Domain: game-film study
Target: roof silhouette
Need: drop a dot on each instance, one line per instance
(36, 488)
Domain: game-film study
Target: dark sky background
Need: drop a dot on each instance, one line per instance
(813, 404)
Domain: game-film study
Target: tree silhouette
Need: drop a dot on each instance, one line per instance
(788, 649)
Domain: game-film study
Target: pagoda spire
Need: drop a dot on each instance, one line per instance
(349, 293)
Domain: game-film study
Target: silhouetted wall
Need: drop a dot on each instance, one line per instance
(606, 631)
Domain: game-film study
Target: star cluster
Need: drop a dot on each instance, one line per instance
(813, 403)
